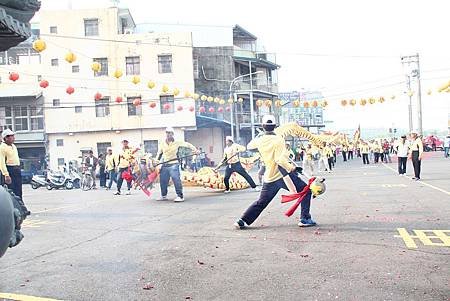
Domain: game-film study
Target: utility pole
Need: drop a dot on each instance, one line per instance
(412, 61)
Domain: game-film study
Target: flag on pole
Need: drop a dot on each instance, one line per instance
(357, 134)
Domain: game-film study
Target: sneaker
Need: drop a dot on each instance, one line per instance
(257, 189)
(240, 224)
(128, 192)
(178, 200)
(227, 191)
(306, 222)
(163, 198)
(117, 193)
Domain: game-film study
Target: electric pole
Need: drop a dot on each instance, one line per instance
(413, 71)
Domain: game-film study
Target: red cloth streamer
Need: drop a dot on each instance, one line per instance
(299, 196)
(127, 176)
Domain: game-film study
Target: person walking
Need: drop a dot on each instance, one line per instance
(111, 167)
(386, 152)
(308, 161)
(350, 151)
(231, 160)
(446, 146)
(402, 149)
(102, 171)
(125, 159)
(10, 166)
(344, 152)
(92, 162)
(168, 152)
(280, 174)
(365, 150)
(416, 151)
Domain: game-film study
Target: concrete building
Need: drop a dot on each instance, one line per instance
(77, 123)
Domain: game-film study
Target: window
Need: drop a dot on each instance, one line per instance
(59, 142)
(56, 102)
(36, 118)
(132, 109)
(78, 109)
(102, 147)
(151, 147)
(166, 99)
(39, 78)
(104, 66)
(75, 69)
(91, 27)
(54, 62)
(21, 118)
(133, 65)
(8, 118)
(165, 63)
(60, 161)
(102, 107)
(54, 29)
(195, 62)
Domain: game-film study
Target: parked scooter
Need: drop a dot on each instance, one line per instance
(76, 178)
(38, 181)
(57, 180)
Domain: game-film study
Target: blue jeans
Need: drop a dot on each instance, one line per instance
(269, 191)
(446, 152)
(170, 172)
(112, 178)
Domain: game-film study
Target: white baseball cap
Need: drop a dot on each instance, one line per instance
(268, 119)
(7, 132)
(170, 129)
(229, 138)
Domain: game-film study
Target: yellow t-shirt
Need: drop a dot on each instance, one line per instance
(111, 162)
(417, 145)
(9, 156)
(274, 154)
(125, 158)
(231, 153)
(169, 150)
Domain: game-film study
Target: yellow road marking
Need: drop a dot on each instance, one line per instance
(36, 223)
(17, 297)
(423, 237)
(422, 182)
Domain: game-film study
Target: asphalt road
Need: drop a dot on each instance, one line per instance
(96, 246)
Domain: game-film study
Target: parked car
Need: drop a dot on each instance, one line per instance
(29, 167)
(430, 140)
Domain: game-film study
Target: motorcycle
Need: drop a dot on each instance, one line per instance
(38, 181)
(57, 180)
(75, 177)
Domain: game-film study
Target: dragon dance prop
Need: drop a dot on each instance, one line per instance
(315, 185)
(209, 178)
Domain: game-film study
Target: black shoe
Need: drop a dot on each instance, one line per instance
(240, 224)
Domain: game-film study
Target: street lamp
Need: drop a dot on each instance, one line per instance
(231, 106)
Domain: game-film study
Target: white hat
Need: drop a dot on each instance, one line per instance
(229, 138)
(268, 119)
(170, 129)
(7, 132)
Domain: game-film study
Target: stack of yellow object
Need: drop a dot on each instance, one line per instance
(207, 177)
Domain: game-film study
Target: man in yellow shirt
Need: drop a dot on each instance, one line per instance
(280, 173)
(111, 163)
(231, 159)
(308, 160)
(365, 149)
(124, 162)
(416, 149)
(170, 169)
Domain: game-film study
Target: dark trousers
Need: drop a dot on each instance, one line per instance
(237, 167)
(120, 179)
(416, 163)
(334, 157)
(365, 158)
(350, 155)
(358, 152)
(344, 155)
(269, 191)
(16, 180)
(402, 165)
(102, 178)
(382, 157)
(330, 162)
(376, 157)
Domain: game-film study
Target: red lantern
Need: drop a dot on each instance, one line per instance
(202, 109)
(43, 84)
(152, 104)
(137, 102)
(13, 76)
(119, 99)
(192, 108)
(228, 109)
(70, 90)
(211, 110)
(306, 104)
(166, 106)
(98, 96)
(220, 110)
(315, 103)
(180, 108)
